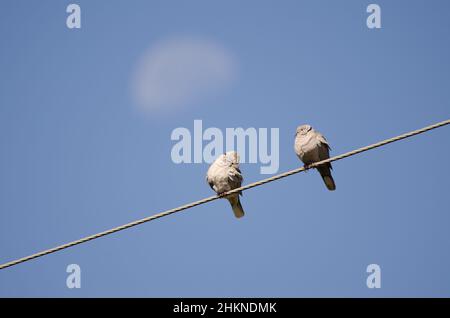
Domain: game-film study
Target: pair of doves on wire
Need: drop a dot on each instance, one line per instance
(310, 146)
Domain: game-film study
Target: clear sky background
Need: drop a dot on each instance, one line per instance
(84, 148)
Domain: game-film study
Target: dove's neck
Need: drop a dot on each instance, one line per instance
(306, 137)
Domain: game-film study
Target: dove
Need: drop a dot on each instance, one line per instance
(224, 175)
(311, 146)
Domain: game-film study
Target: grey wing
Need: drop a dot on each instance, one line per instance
(323, 141)
(324, 148)
(235, 177)
(239, 173)
(241, 179)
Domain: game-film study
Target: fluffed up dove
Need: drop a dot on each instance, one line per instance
(224, 175)
(311, 146)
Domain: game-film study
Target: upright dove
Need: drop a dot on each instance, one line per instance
(311, 146)
(224, 175)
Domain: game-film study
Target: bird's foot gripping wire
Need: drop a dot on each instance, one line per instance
(222, 194)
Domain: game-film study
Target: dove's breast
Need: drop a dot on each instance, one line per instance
(218, 175)
(306, 148)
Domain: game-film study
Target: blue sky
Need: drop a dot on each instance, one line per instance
(79, 155)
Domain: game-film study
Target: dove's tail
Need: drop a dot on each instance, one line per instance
(236, 206)
(325, 172)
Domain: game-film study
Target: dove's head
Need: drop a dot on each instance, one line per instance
(303, 129)
(231, 157)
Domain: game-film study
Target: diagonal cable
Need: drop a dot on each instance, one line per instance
(212, 198)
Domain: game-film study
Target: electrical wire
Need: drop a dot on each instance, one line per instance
(212, 198)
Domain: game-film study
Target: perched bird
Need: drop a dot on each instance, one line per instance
(311, 146)
(224, 175)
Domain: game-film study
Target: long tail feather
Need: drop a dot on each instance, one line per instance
(325, 172)
(237, 207)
